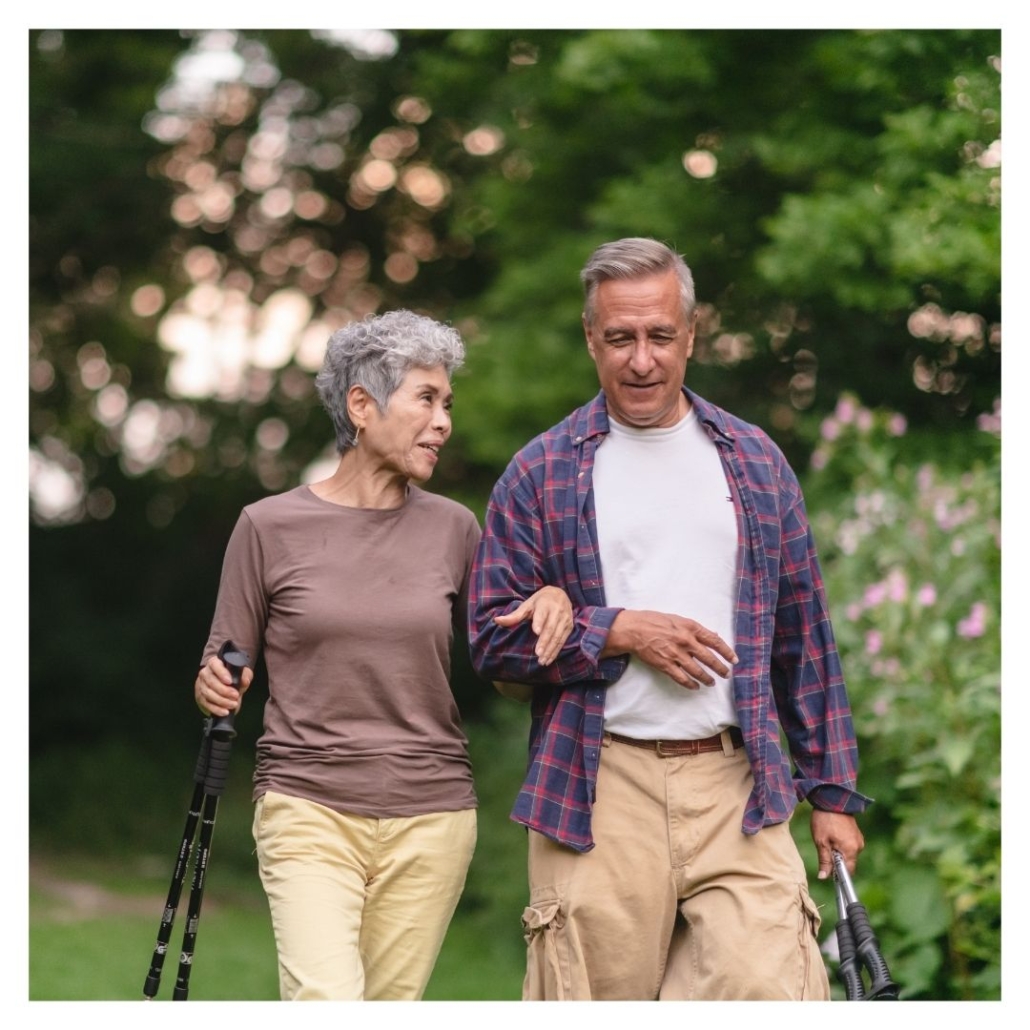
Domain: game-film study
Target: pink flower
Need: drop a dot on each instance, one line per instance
(845, 410)
(897, 425)
(873, 641)
(830, 429)
(875, 594)
(990, 422)
(881, 706)
(927, 595)
(975, 623)
(897, 586)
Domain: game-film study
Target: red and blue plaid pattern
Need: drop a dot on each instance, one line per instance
(540, 529)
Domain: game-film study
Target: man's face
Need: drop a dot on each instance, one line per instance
(640, 341)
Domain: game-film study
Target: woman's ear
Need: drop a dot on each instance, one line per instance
(358, 403)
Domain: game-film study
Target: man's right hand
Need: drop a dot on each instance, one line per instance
(681, 648)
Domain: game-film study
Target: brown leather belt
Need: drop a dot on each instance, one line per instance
(674, 748)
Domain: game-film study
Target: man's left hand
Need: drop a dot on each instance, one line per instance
(836, 831)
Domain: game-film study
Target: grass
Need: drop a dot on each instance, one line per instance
(108, 958)
(94, 911)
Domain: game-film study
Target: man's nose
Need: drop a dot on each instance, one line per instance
(641, 359)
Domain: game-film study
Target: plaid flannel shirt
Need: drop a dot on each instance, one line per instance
(541, 529)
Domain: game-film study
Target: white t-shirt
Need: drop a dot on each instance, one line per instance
(667, 531)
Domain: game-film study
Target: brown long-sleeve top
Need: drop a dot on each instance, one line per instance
(355, 611)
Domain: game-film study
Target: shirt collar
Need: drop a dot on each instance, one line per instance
(592, 419)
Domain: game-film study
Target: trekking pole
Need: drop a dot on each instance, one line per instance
(849, 972)
(858, 944)
(209, 777)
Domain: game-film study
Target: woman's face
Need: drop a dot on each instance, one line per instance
(407, 437)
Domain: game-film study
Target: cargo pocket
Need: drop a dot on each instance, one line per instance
(815, 984)
(547, 968)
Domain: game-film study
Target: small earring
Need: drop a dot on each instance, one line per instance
(357, 434)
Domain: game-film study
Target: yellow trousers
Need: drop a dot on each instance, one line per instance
(359, 906)
(673, 902)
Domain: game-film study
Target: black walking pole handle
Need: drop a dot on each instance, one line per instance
(863, 940)
(235, 661)
(849, 971)
(881, 986)
(219, 731)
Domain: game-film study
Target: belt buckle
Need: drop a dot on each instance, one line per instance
(682, 748)
(678, 753)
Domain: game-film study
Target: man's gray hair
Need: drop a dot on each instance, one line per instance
(633, 258)
(377, 353)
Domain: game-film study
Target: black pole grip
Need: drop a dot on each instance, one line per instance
(204, 754)
(235, 661)
(849, 972)
(217, 767)
(881, 987)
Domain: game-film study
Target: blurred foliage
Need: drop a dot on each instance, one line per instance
(912, 557)
(206, 206)
(840, 206)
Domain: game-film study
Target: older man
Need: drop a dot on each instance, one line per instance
(657, 797)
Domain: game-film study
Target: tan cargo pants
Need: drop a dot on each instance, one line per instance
(673, 902)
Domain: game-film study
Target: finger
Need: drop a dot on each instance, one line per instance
(850, 858)
(678, 674)
(713, 640)
(547, 632)
(551, 642)
(217, 670)
(543, 618)
(513, 618)
(548, 619)
(215, 702)
(693, 668)
(706, 660)
(825, 861)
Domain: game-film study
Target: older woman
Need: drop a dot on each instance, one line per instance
(365, 813)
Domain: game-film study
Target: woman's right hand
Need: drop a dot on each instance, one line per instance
(551, 612)
(213, 689)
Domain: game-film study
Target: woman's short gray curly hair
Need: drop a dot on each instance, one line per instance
(377, 353)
